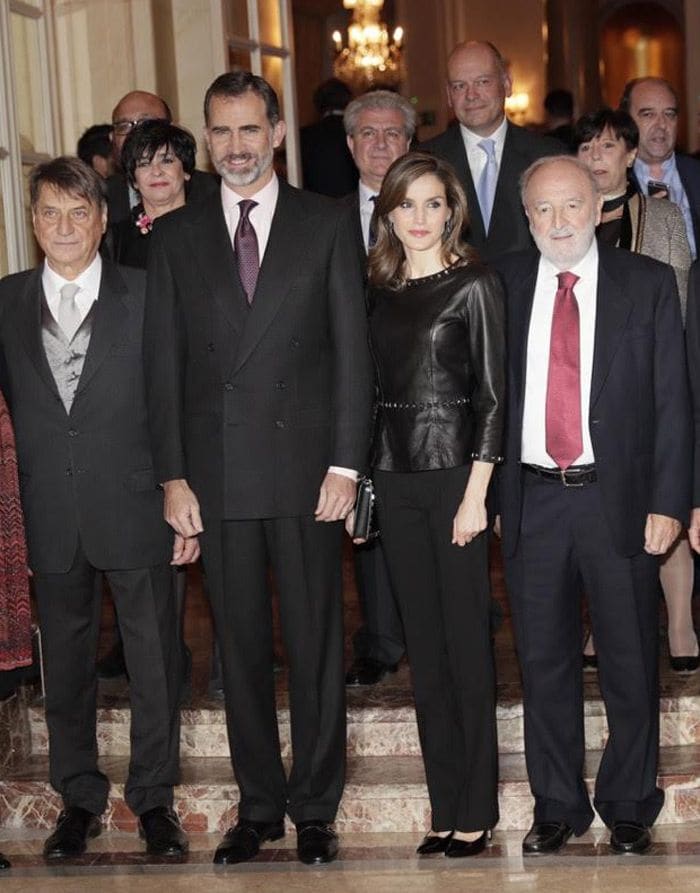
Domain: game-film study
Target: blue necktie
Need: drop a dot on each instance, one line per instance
(486, 189)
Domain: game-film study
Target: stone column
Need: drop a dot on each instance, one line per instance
(572, 51)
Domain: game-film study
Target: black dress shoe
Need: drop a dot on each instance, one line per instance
(590, 661)
(4, 862)
(112, 665)
(365, 671)
(73, 829)
(629, 837)
(546, 837)
(242, 842)
(317, 843)
(161, 829)
(433, 843)
(459, 849)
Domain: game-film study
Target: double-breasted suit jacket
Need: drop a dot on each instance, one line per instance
(86, 475)
(508, 229)
(252, 404)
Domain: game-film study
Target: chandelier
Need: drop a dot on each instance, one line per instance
(369, 59)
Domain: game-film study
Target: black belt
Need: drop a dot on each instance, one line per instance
(573, 476)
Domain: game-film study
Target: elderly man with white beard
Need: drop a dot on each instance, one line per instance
(593, 489)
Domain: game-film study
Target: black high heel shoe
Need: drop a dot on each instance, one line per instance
(432, 844)
(459, 849)
(684, 663)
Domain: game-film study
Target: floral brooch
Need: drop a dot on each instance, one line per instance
(144, 223)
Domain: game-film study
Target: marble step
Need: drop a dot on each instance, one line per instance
(382, 793)
(373, 730)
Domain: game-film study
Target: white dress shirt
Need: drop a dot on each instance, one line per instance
(533, 448)
(366, 211)
(260, 218)
(89, 282)
(476, 155)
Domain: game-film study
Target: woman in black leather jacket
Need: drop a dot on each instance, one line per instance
(437, 335)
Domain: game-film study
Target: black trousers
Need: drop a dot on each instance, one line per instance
(443, 595)
(565, 547)
(381, 635)
(69, 616)
(306, 560)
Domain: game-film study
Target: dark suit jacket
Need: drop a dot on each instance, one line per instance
(87, 474)
(350, 210)
(692, 337)
(252, 405)
(639, 410)
(689, 172)
(199, 186)
(509, 229)
(326, 162)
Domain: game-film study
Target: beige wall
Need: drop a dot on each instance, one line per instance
(105, 48)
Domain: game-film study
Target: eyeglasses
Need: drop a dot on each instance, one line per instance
(124, 127)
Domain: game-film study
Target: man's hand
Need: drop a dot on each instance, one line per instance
(660, 533)
(181, 509)
(469, 521)
(336, 497)
(694, 529)
(185, 550)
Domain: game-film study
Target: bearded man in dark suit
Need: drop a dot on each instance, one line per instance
(488, 152)
(260, 387)
(71, 369)
(594, 488)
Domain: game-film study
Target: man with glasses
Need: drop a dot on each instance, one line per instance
(128, 113)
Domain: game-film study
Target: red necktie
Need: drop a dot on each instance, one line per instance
(245, 244)
(564, 440)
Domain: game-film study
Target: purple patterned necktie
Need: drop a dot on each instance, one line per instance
(245, 244)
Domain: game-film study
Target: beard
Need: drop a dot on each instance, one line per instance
(565, 246)
(259, 164)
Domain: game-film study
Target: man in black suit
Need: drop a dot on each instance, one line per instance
(488, 152)
(326, 163)
(379, 127)
(658, 169)
(259, 390)
(71, 369)
(129, 112)
(594, 488)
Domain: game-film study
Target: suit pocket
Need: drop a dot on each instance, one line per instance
(139, 481)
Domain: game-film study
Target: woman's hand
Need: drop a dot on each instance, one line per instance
(469, 521)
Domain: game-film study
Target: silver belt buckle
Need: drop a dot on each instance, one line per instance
(562, 472)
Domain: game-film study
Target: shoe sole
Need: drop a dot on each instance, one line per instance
(53, 856)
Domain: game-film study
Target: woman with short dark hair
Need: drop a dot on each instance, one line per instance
(437, 336)
(158, 159)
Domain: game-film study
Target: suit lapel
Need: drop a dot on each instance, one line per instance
(519, 313)
(290, 236)
(214, 256)
(111, 315)
(613, 307)
(28, 323)
(458, 158)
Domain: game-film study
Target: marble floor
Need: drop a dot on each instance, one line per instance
(381, 861)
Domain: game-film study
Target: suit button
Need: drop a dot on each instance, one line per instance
(228, 386)
(279, 423)
(295, 342)
(210, 346)
(280, 385)
(69, 472)
(72, 433)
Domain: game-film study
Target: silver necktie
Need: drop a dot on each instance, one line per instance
(68, 312)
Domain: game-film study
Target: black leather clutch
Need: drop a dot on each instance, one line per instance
(365, 526)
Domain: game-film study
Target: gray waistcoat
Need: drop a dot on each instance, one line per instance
(66, 359)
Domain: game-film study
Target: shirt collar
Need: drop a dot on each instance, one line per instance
(498, 136)
(641, 168)
(365, 193)
(267, 196)
(586, 269)
(88, 280)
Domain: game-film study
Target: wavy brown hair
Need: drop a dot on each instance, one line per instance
(387, 257)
